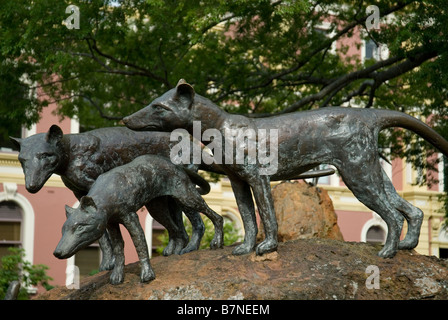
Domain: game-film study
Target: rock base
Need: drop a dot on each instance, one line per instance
(303, 212)
(321, 269)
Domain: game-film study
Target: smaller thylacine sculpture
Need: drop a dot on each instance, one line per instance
(114, 199)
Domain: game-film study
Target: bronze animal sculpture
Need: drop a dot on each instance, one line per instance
(80, 158)
(344, 137)
(114, 198)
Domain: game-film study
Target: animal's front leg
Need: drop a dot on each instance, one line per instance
(107, 260)
(117, 275)
(263, 197)
(134, 227)
(246, 207)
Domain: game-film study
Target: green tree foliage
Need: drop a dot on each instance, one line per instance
(15, 268)
(254, 57)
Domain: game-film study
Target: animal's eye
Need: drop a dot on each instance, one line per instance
(43, 155)
(81, 228)
(47, 156)
(159, 108)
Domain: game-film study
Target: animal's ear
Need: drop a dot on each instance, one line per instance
(183, 89)
(87, 202)
(68, 211)
(16, 141)
(54, 135)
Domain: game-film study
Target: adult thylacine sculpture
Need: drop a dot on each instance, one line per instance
(114, 198)
(344, 137)
(80, 158)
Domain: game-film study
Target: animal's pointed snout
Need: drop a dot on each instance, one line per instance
(57, 253)
(32, 187)
(131, 123)
(135, 121)
(125, 120)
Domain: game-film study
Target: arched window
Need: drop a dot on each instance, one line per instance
(11, 217)
(374, 230)
(376, 234)
(12, 200)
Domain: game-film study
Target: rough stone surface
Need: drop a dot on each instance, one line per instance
(303, 212)
(301, 269)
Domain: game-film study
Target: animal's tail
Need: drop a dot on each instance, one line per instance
(390, 118)
(204, 186)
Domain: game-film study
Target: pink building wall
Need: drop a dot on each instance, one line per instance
(49, 208)
(48, 118)
(351, 222)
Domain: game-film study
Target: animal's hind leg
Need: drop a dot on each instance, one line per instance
(161, 210)
(198, 230)
(391, 192)
(246, 207)
(413, 215)
(368, 187)
(191, 200)
(262, 193)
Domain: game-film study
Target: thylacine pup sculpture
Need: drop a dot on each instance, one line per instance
(114, 198)
(344, 137)
(80, 158)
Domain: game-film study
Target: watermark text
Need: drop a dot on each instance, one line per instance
(244, 146)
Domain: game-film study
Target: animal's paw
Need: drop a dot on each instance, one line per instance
(174, 246)
(217, 241)
(407, 244)
(243, 248)
(190, 247)
(215, 244)
(117, 276)
(194, 243)
(387, 252)
(147, 274)
(169, 249)
(266, 246)
(107, 263)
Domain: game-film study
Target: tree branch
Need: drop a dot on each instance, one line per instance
(343, 80)
(141, 71)
(409, 63)
(100, 110)
(304, 59)
(360, 90)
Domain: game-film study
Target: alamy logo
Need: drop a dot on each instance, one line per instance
(373, 280)
(373, 20)
(72, 21)
(238, 146)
